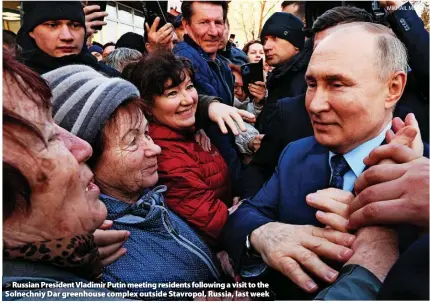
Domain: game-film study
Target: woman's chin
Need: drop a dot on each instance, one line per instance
(99, 214)
(151, 180)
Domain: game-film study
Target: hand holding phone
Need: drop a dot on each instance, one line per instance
(94, 16)
(252, 73)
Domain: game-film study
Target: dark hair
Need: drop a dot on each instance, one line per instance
(135, 109)
(187, 8)
(126, 72)
(247, 45)
(286, 3)
(301, 4)
(341, 15)
(9, 38)
(16, 187)
(108, 44)
(151, 74)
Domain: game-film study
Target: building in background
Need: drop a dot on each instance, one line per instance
(11, 17)
(124, 17)
(247, 18)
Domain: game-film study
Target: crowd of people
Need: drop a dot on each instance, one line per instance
(148, 160)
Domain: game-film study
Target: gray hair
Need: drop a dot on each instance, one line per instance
(121, 57)
(391, 54)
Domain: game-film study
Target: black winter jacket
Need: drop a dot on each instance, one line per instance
(287, 80)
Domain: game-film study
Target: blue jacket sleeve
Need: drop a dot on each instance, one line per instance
(409, 28)
(262, 209)
(354, 283)
(201, 81)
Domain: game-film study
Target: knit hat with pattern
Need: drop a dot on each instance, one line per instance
(83, 99)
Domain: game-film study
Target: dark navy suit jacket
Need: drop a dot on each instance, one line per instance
(302, 169)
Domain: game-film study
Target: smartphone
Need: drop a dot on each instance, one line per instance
(154, 9)
(251, 73)
(102, 5)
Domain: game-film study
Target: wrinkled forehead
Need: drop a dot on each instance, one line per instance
(328, 31)
(26, 104)
(347, 50)
(125, 119)
(207, 11)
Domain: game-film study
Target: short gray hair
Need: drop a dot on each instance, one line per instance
(121, 57)
(391, 54)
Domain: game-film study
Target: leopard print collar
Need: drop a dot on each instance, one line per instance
(78, 254)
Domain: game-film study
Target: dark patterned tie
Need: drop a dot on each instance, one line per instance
(339, 167)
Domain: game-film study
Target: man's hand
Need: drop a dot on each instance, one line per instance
(163, 38)
(292, 248)
(392, 193)
(333, 205)
(91, 13)
(406, 133)
(376, 249)
(110, 242)
(257, 90)
(224, 114)
(255, 143)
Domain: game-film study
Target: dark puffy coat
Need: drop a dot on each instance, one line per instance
(287, 80)
(198, 181)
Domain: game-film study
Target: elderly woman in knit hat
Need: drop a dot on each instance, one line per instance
(108, 114)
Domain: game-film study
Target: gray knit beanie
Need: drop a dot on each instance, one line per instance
(84, 99)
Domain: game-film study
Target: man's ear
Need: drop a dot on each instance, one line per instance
(396, 85)
(31, 34)
(184, 23)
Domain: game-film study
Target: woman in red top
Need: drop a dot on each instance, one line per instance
(198, 181)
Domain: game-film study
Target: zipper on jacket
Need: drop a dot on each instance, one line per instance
(188, 244)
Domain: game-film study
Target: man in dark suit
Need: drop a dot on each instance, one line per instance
(290, 121)
(350, 102)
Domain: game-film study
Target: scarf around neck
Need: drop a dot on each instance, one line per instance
(77, 254)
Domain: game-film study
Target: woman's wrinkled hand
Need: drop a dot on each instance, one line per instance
(110, 242)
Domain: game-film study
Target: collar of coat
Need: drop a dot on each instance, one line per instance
(197, 47)
(162, 132)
